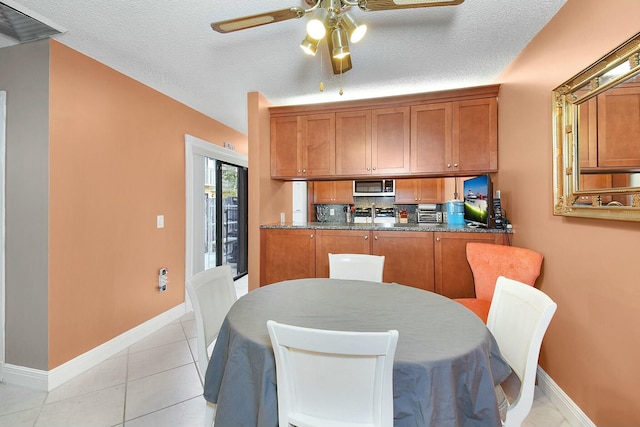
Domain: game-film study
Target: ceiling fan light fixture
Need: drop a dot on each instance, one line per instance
(354, 28)
(316, 27)
(333, 6)
(340, 44)
(309, 45)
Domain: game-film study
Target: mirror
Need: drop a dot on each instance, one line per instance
(596, 144)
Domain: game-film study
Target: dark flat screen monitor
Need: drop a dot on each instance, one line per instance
(478, 201)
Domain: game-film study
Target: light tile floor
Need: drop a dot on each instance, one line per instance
(153, 383)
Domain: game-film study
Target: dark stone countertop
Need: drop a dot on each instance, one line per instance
(385, 227)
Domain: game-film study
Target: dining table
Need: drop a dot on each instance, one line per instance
(446, 366)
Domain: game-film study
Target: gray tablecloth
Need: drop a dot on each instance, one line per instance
(446, 363)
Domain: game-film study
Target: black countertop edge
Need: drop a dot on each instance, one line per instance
(387, 227)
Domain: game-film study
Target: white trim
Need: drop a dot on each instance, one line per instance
(567, 407)
(48, 380)
(3, 122)
(198, 147)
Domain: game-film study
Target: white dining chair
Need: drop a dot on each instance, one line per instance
(518, 319)
(333, 378)
(356, 267)
(212, 294)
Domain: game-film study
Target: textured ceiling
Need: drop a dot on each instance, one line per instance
(169, 46)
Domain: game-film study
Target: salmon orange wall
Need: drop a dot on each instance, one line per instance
(591, 349)
(116, 162)
(267, 197)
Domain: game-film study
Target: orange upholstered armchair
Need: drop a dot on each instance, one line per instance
(488, 262)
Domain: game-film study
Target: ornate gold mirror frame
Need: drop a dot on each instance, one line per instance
(581, 130)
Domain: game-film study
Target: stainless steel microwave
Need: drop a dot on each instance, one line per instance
(374, 187)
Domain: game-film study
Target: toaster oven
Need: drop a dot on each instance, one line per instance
(429, 214)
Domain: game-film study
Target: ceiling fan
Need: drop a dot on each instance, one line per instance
(329, 17)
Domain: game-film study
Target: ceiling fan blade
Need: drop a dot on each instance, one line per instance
(250, 21)
(372, 5)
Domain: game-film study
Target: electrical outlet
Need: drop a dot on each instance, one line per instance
(163, 279)
(332, 212)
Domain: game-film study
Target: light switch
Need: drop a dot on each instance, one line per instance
(160, 221)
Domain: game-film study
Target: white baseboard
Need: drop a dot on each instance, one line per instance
(25, 377)
(567, 407)
(48, 380)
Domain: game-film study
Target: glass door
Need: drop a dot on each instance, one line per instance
(225, 193)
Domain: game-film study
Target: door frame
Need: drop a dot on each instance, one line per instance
(3, 122)
(195, 147)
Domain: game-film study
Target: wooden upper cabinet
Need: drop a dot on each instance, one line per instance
(619, 128)
(391, 140)
(317, 145)
(448, 133)
(430, 137)
(284, 147)
(332, 192)
(373, 142)
(419, 190)
(353, 143)
(303, 146)
(455, 137)
(475, 135)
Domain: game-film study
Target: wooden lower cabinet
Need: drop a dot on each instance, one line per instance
(286, 254)
(339, 242)
(433, 261)
(453, 276)
(408, 257)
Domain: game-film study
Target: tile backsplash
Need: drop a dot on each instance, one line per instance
(340, 210)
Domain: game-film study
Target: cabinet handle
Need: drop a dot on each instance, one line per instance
(299, 171)
(368, 169)
(455, 165)
(448, 165)
(366, 237)
(375, 237)
(304, 171)
(374, 168)
(437, 239)
(311, 237)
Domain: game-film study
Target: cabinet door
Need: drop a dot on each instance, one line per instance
(353, 143)
(343, 192)
(284, 147)
(475, 135)
(431, 138)
(390, 141)
(430, 190)
(286, 254)
(453, 276)
(408, 257)
(619, 128)
(406, 191)
(323, 192)
(419, 190)
(333, 192)
(339, 242)
(317, 145)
